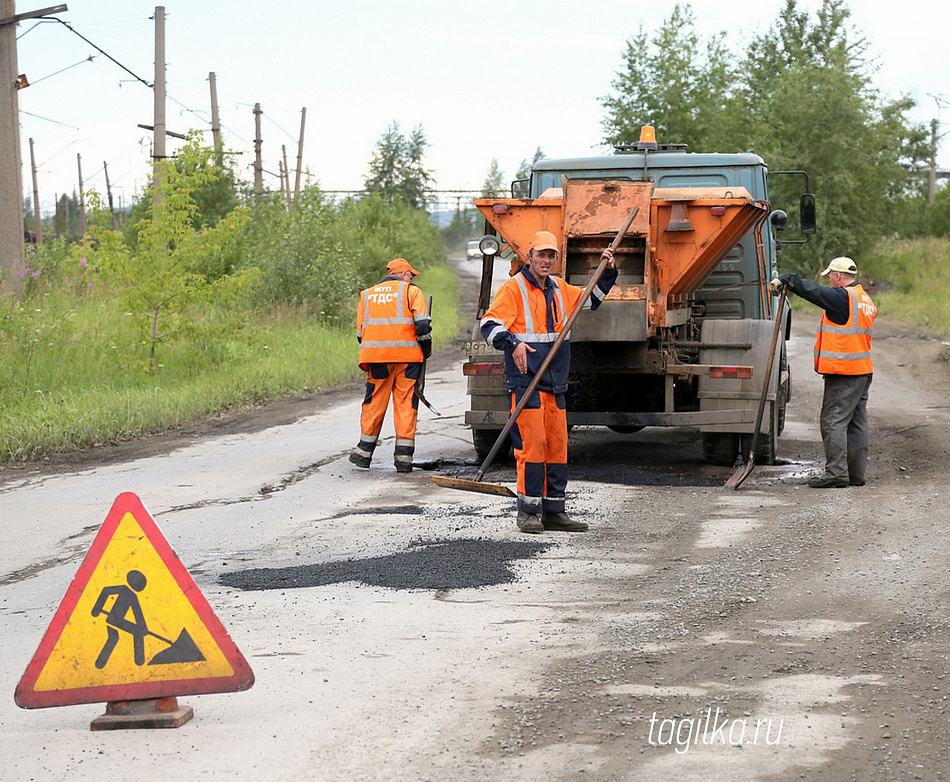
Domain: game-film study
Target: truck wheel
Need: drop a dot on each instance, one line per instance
(720, 449)
(625, 429)
(781, 403)
(767, 450)
(484, 441)
(784, 392)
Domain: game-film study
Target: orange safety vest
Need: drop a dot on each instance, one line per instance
(846, 349)
(386, 323)
(520, 308)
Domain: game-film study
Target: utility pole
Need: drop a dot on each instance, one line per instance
(37, 219)
(158, 137)
(82, 200)
(286, 185)
(215, 123)
(303, 119)
(11, 184)
(258, 166)
(11, 162)
(932, 185)
(105, 168)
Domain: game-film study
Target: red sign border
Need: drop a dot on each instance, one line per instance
(28, 697)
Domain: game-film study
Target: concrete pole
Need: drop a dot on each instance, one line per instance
(285, 182)
(932, 185)
(158, 142)
(37, 218)
(258, 166)
(303, 119)
(12, 257)
(105, 168)
(215, 122)
(82, 199)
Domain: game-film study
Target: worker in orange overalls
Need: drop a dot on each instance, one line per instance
(524, 319)
(395, 336)
(843, 357)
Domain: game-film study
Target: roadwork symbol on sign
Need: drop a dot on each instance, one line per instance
(133, 625)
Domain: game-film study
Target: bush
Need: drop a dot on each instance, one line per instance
(321, 254)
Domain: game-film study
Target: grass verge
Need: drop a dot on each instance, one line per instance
(75, 377)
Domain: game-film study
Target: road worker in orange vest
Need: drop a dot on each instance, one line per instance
(524, 319)
(843, 357)
(395, 336)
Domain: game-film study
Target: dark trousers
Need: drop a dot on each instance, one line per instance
(844, 426)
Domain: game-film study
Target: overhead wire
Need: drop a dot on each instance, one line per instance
(136, 77)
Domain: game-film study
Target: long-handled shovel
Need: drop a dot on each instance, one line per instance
(421, 382)
(493, 488)
(743, 472)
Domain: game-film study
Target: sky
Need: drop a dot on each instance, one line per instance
(485, 79)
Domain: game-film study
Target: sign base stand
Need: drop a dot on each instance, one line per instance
(146, 713)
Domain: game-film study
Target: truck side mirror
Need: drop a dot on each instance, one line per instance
(807, 213)
(778, 218)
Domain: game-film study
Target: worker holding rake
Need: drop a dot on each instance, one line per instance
(524, 319)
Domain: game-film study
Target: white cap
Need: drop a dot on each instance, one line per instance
(842, 264)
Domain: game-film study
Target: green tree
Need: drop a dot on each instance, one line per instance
(812, 106)
(494, 184)
(939, 213)
(464, 225)
(397, 168)
(803, 98)
(524, 170)
(165, 276)
(678, 82)
(66, 219)
(302, 259)
(216, 194)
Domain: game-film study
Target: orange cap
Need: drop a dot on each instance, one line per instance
(544, 240)
(398, 266)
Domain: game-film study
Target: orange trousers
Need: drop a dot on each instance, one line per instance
(539, 439)
(385, 381)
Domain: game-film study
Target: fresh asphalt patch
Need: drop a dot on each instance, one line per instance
(431, 564)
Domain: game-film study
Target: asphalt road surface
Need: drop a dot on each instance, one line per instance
(399, 630)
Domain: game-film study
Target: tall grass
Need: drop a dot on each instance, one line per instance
(72, 374)
(912, 282)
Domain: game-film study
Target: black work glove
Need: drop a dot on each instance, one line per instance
(426, 344)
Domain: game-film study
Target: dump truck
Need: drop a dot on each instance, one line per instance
(683, 338)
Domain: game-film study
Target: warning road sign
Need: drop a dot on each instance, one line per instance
(133, 625)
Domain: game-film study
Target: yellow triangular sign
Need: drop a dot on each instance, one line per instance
(133, 625)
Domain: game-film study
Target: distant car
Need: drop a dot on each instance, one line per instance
(471, 249)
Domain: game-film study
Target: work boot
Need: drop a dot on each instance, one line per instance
(403, 467)
(359, 460)
(856, 481)
(556, 520)
(529, 522)
(827, 482)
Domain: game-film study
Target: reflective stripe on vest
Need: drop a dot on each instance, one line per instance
(531, 334)
(845, 349)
